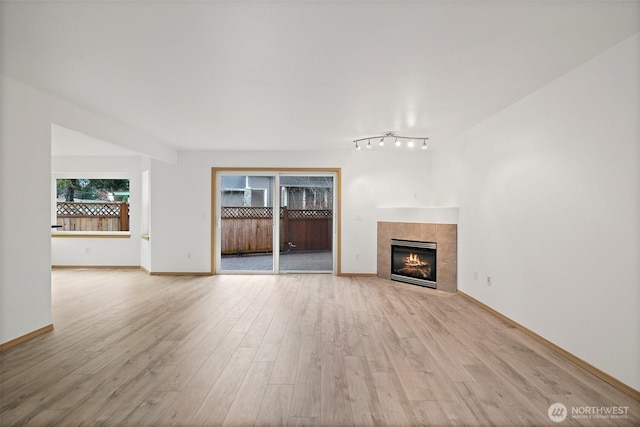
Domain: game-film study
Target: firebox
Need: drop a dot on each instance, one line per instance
(413, 262)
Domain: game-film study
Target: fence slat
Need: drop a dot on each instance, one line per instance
(248, 229)
(93, 216)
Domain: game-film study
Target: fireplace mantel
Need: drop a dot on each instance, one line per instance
(419, 214)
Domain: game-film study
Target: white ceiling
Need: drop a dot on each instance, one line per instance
(302, 75)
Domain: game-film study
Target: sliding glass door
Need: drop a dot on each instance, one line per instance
(293, 213)
(306, 223)
(246, 223)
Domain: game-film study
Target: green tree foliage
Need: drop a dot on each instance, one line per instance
(89, 189)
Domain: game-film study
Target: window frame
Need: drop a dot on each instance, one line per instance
(55, 233)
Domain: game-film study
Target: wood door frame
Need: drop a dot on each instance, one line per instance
(337, 208)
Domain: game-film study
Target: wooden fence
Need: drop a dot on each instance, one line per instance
(92, 216)
(249, 230)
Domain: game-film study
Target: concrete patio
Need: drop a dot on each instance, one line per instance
(289, 261)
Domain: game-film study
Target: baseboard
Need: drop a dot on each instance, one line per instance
(175, 273)
(95, 267)
(357, 275)
(14, 342)
(180, 273)
(632, 392)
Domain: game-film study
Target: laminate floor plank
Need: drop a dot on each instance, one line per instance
(579, 386)
(176, 379)
(521, 405)
(28, 406)
(252, 311)
(365, 406)
(198, 321)
(307, 392)
(129, 349)
(183, 408)
(247, 402)
(269, 343)
(286, 363)
(329, 328)
(396, 408)
(221, 397)
(444, 350)
(335, 400)
(304, 422)
(430, 413)
(149, 411)
(373, 321)
(274, 409)
(256, 333)
(104, 385)
(352, 320)
(484, 404)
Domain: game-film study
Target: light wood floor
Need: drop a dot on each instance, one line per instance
(133, 349)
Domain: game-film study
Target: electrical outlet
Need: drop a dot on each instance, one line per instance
(488, 280)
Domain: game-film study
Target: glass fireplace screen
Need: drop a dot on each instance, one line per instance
(413, 262)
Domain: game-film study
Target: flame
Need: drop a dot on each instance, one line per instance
(414, 260)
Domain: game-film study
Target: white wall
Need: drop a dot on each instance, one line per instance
(549, 196)
(25, 278)
(101, 251)
(145, 216)
(25, 197)
(181, 199)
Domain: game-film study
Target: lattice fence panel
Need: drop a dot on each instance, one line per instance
(309, 214)
(229, 212)
(82, 209)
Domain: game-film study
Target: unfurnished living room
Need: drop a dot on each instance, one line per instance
(323, 213)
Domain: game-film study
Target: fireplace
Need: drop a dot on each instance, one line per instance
(413, 262)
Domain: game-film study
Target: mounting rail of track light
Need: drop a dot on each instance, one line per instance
(397, 140)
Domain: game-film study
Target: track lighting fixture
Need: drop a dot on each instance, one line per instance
(410, 141)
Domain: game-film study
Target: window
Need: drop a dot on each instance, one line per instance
(90, 204)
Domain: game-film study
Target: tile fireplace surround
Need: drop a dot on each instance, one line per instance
(444, 235)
